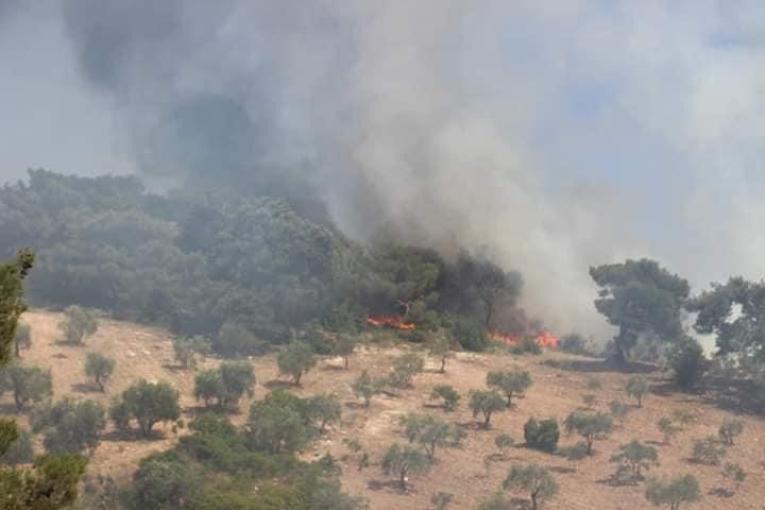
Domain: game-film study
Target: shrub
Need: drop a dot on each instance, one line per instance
(497, 502)
(486, 403)
(730, 429)
(164, 482)
(324, 409)
(148, 403)
(574, 344)
(576, 452)
(527, 345)
(590, 426)
(673, 492)
(534, 480)
(449, 396)
(70, 427)
(470, 334)
(688, 363)
(668, 428)
(19, 451)
(99, 367)
(542, 435)
(589, 400)
(708, 451)
(78, 324)
(22, 339)
(441, 500)
(295, 360)
(634, 458)
(636, 388)
(503, 442)
(431, 432)
(735, 474)
(28, 384)
(514, 382)
(618, 409)
(593, 384)
(234, 339)
(405, 367)
(404, 461)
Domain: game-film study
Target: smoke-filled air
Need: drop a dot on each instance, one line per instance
(299, 245)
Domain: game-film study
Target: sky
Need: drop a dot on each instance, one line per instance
(551, 135)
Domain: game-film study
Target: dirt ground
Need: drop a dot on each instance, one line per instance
(143, 352)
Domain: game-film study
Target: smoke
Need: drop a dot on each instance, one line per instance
(546, 136)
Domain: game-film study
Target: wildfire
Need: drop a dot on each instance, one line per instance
(390, 321)
(543, 339)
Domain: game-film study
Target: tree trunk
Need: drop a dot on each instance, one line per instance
(487, 417)
(534, 501)
(100, 384)
(297, 378)
(402, 479)
(589, 445)
(18, 401)
(489, 314)
(345, 359)
(443, 364)
(17, 349)
(509, 400)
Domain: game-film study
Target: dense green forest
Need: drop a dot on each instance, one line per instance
(217, 262)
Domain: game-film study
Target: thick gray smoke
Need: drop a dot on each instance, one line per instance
(546, 135)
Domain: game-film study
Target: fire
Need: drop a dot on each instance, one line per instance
(390, 321)
(543, 339)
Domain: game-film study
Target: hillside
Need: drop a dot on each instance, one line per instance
(143, 352)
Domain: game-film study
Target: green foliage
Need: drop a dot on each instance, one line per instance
(9, 433)
(673, 492)
(148, 403)
(296, 359)
(668, 428)
(69, 426)
(589, 400)
(404, 461)
(431, 432)
(78, 324)
(527, 345)
(50, 485)
(99, 367)
(280, 423)
(634, 458)
(235, 339)
(365, 387)
(708, 451)
(513, 382)
(688, 363)
(20, 451)
(735, 473)
(497, 502)
(28, 384)
(730, 429)
(542, 435)
(164, 482)
(636, 388)
(238, 378)
(323, 409)
(23, 338)
(486, 403)
(470, 334)
(441, 348)
(618, 409)
(208, 387)
(12, 304)
(343, 346)
(186, 349)
(449, 396)
(641, 299)
(576, 452)
(534, 480)
(591, 426)
(504, 441)
(405, 367)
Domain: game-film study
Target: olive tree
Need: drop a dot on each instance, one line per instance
(69, 426)
(403, 461)
(708, 451)
(673, 492)
(534, 480)
(486, 403)
(208, 387)
(513, 382)
(99, 368)
(365, 387)
(449, 396)
(148, 403)
(636, 388)
(431, 432)
(238, 379)
(441, 348)
(323, 409)
(634, 458)
(591, 426)
(27, 384)
(344, 346)
(730, 429)
(668, 428)
(405, 367)
(78, 324)
(296, 359)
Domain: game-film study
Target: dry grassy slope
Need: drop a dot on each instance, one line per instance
(147, 352)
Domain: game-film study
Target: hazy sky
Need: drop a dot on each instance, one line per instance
(604, 128)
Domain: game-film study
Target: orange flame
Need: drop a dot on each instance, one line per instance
(543, 339)
(390, 321)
